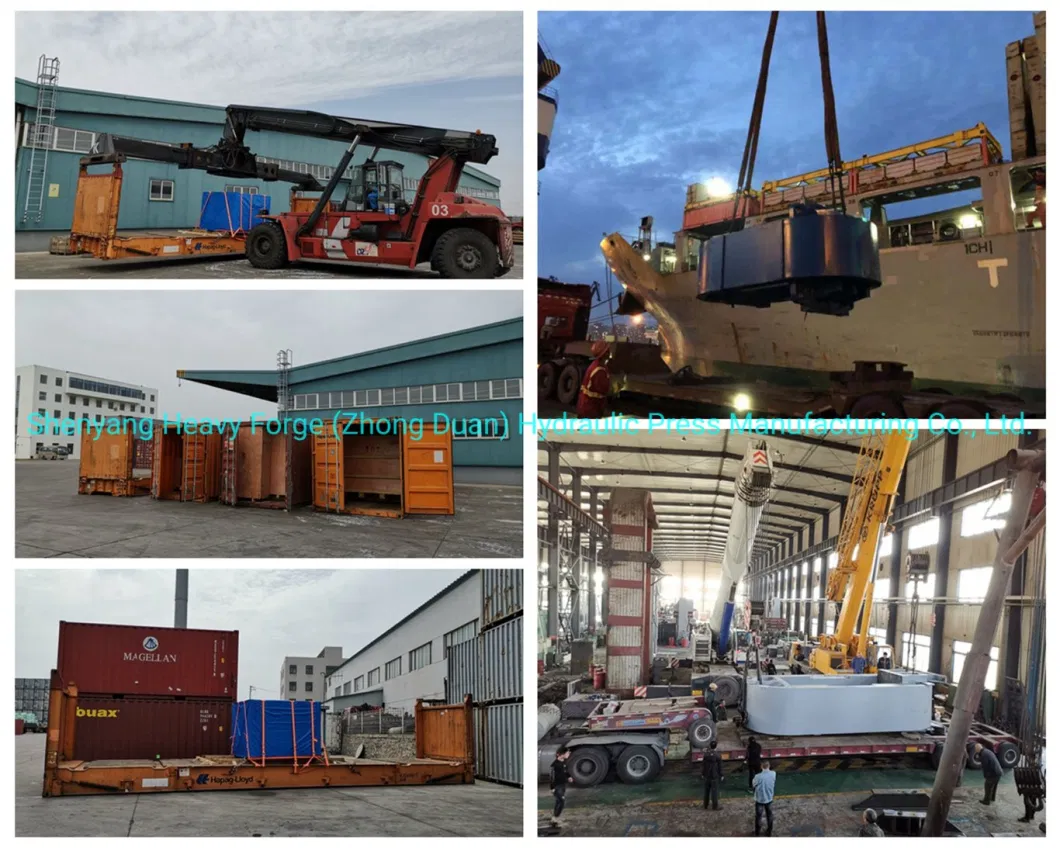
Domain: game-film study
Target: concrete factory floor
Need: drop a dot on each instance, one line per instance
(807, 804)
(483, 809)
(39, 265)
(52, 520)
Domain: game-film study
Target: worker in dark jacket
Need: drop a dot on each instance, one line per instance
(992, 773)
(754, 762)
(712, 776)
(885, 662)
(592, 396)
(558, 778)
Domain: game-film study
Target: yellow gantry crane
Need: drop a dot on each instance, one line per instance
(872, 493)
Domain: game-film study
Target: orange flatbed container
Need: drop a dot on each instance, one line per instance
(254, 469)
(390, 476)
(107, 465)
(445, 753)
(187, 466)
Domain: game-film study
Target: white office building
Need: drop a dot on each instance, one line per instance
(303, 678)
(408, 661)
(45, 396)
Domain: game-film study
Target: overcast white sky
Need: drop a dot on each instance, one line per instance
(143, 337)
(458, 70)
(278, 613)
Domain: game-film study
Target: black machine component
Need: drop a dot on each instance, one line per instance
(822, 260)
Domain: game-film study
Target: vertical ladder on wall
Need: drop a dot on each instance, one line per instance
(228, 470)
(284, 359)
(41, 138)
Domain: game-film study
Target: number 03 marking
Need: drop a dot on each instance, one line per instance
(440, 209)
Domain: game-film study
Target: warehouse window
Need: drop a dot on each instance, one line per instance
(479, 428)
(240, 189)
(813, 627)
(373, 678)
(506, 389)
(833, 560)
(923, 649)
(886, 546)
(829, 627)
(309, 669)
(878, 633)
(393, 669)
(924, 535)
(972, 583)
(420, 658)
(292, 686)
(960, 654)
(462, 634)
(358, 683)
(346, 688)
(986, 515)
(161, 190)
(309, 686)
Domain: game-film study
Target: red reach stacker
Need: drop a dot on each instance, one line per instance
(373, 224)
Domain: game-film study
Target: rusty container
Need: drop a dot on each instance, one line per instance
(254, 469)
(383, 474)
(20, 727)
(185, 466)
(113, 659)
(108, 465)
(134, 728)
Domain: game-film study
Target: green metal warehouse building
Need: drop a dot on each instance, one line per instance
(157, 196)
(473, 375)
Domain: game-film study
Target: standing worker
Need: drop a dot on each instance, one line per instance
(592, 396)
(558, 778)
(765, 785)
(712, 701)
(992, 773)
(712, 776)
(754, 762)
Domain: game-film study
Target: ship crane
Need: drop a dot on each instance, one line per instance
(872, 494)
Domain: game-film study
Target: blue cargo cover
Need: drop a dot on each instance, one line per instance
(229, 211)
(291, 729)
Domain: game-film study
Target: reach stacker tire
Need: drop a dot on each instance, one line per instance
(267, 246)
(588, 766)
(637, 764)
(570, 380)
(464, 253)
(546, 380)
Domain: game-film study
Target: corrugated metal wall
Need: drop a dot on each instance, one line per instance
(492, 666)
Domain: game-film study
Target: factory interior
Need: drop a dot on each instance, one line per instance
(861, 616)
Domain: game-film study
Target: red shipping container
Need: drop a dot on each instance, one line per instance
(112, 659)
(20, 727)
(146, 728)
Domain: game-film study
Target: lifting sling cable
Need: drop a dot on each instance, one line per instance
(831, 125)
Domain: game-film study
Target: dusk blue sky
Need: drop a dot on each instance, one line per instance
(650, 102)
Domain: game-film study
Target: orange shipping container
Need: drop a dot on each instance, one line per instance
(107, 465)
(187, 466)
(389, 475)
(254, 469)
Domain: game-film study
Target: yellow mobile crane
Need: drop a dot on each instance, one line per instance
(872, 494)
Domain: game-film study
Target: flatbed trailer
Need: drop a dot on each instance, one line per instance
(444, 754)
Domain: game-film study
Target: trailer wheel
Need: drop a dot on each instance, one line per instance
(1008, 754)
(267, 246)
(701, 733)
(936, 756)
(875, 406)
(588, 766)
(570, 380)
(974, 760)
(637, 764)
(546, 380)
(465, 253)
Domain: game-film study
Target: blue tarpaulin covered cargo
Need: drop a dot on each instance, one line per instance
(229, 211)
(277, 730)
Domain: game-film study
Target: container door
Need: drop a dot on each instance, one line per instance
(428, 467)
(193, 474)
(156, 461)
(229, 463)
(328, 489)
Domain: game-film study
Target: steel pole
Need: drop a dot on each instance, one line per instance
(1013, 541)
(180, 600)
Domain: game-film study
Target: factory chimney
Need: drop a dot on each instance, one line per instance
(180, 600)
